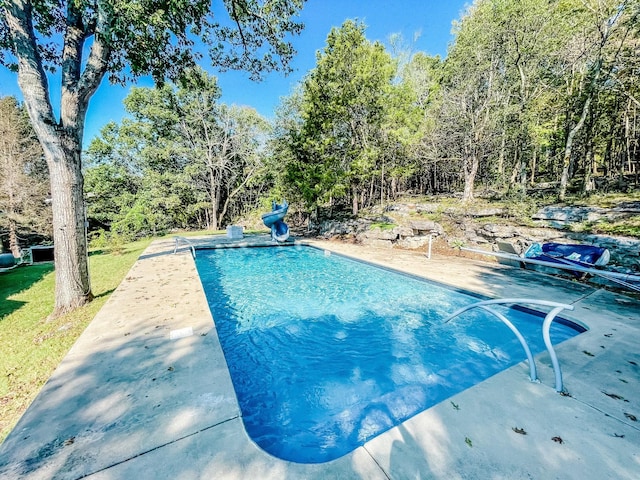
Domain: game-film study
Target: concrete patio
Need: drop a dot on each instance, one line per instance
(145, 392)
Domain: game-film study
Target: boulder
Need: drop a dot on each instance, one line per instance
(426, 226)
(492, 230)
(569, 214)
(412, 243)
(400, 208)
(486, 212)
(428, 208)
(380, 234)
(403, 232)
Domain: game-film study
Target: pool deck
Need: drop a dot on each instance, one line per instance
(145, 392)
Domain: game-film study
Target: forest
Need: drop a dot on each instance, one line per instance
(534, 98)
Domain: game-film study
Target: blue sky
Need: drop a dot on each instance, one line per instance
(427, 20)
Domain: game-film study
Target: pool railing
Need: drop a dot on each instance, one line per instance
(546, 325)
(189, 244)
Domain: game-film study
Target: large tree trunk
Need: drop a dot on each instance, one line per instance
(471, 165)
(61, 140)
(214, 189)
(73, 288)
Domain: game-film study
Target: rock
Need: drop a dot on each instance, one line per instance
(568, 214)
(382, 219)
(400, 208)
(562, 214)
(492, 230)
(486, 212)
(413, 242)
(628, 207)
(379, 234)
(478, 240)
(402, 232)
(428, 208)
(425, 226)
(330, 229)
(412, 233)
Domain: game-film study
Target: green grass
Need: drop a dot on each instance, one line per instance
(383, 225)
(604, 200)
(629, 227)
(31, 345)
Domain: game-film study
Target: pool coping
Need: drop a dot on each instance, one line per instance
(146, 389)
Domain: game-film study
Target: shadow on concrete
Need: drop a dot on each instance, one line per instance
(161, 254)
(115, 403)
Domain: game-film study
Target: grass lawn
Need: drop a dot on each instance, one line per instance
(31, 347)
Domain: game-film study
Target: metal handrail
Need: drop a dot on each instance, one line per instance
(546, 326)
(533, 374)
(189, 244)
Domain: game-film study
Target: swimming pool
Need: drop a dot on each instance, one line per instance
(326, 352)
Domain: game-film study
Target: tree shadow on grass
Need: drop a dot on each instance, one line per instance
(106, 293)
(18, 280)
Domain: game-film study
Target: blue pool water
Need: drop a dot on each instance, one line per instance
(327, 352)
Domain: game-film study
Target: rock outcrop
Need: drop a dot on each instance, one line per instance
(405, 225)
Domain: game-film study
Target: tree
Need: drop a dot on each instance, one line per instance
(422, 77)
(223, 144)
(470, 95)
(192, 158)
(123, 39)
(23, 174)
(213, 147)
(343, 108)
(604, 24)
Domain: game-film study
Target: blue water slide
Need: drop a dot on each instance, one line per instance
(274, 221)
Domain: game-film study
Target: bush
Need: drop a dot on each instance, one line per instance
(109, 241)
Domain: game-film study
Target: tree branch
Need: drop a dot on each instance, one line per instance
(98, 60)
(31, 76)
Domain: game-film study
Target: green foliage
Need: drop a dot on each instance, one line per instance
(184, 160)
(630, 227)
(383, 225)
(350, 123)
(521, 210)
(109, 188)
(457, 243)
(23, 177)
(147, 38)
(112, 242)
(88, 40)
(364, 127)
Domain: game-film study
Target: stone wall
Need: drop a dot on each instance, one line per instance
(625, 251)
(397, 226)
